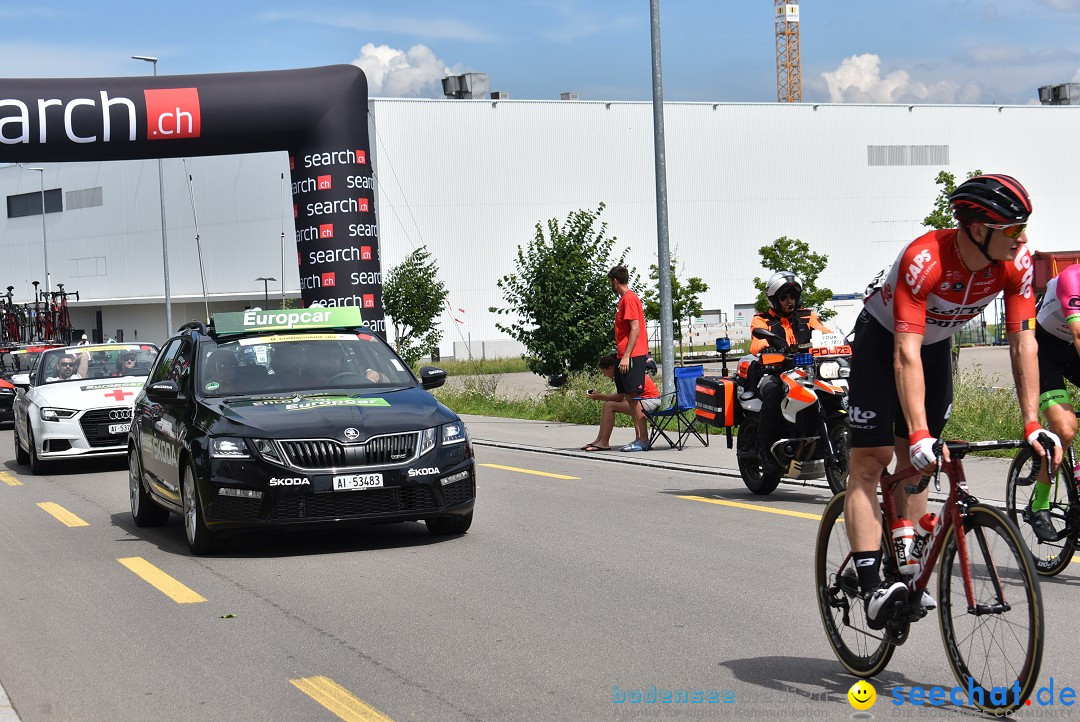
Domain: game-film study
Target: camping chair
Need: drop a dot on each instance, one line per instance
(676, 411)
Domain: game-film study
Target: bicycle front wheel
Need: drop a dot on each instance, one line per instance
(998, 642)
(1050, 558)
(862, 650)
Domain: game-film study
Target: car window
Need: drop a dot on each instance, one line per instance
(299, 362)
(94, 362)
(163, 368)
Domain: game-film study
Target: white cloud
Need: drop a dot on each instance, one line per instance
(400, 74)
(858, 79)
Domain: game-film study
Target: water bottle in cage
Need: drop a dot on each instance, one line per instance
(903, 536)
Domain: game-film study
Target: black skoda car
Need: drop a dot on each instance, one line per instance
(296, 417)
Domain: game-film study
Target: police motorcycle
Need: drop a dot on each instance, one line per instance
(813, 426)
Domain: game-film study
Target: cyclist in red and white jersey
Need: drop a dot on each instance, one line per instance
(901, 368)
(1057, 329)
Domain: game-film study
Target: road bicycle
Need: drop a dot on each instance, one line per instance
(59, 311)
(989, 604)
(1050, 557)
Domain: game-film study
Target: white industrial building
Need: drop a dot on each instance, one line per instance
(470, 179)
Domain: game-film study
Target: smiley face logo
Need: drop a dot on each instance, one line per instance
(862, 695)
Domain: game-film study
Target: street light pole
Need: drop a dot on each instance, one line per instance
(164, 235)
(266, 290)
(44, 238)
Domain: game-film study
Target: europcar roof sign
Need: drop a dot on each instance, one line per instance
(305, 318)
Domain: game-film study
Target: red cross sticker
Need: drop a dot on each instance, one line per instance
(119, 394)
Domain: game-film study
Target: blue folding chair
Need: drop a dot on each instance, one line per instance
(676, 411)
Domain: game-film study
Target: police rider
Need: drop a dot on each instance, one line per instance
(787, 319)
(901, 371)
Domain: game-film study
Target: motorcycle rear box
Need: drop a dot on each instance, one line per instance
(716, 402)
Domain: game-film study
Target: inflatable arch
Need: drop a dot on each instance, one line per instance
(317, 115)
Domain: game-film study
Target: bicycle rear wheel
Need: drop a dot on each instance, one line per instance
(862, 650)
(999, 643)
(1050, 558)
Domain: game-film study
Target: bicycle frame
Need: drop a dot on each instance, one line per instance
(952, 515)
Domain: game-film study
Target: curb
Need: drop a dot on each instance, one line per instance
(689, 468)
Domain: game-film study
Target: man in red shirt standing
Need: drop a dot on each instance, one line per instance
(632, 346)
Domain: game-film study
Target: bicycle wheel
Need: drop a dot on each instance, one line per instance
(999, 643)
(862, 650)
(1050, 558)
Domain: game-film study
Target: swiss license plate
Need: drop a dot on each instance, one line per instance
(356, 482)
(119, 428)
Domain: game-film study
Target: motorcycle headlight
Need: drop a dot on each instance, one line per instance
(49, 413)
(228, 447)
(829, 370)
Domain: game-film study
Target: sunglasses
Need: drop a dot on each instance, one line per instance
(1012, 230)
(788, 294)
(129, 361)
(65, 364)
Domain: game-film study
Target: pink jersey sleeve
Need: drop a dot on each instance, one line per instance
(1068, 292)
(918, 274)
(1019, 297)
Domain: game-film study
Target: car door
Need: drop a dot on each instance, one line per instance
(151, 437)
(171, 427)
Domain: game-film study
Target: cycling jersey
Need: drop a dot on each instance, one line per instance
(930, 291)
(1061, 303)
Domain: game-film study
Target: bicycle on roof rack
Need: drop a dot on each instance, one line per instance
(989, 604)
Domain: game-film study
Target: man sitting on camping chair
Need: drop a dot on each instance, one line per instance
(617, 404)
(677, 411)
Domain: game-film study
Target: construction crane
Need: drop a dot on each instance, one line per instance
(788, 58)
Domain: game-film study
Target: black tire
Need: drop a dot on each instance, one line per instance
(750, 470)
(449, 524)
(38, 467)
(143, 509)
(1002, 648)
(199, 537)
(1049, 558)
(863, 651)
(21, 455)
(836, 467)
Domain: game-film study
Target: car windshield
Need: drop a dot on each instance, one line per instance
(299, 362)
(95, 362)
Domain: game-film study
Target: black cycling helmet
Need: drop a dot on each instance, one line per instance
(991, 199)
(779, 283)
(998, 199)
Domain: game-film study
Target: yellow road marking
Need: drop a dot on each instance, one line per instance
(161, 581)
(338, 700)
(8, 479)
(529, 471)
(754, 507)
(63, 515)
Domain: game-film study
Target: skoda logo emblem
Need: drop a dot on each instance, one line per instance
(351, 433)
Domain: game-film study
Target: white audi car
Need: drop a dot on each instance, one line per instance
(78, 402)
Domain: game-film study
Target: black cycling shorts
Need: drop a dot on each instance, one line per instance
(633, 381)
(873, 404)
(1058, 361)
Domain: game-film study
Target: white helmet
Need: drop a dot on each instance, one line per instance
(783, 281)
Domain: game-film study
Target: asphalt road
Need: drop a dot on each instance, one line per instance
(565, 593)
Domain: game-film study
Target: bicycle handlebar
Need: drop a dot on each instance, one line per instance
(959, 449)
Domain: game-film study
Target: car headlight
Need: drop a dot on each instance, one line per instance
(268, 450)
(49, 413)
(427, 440)
(829, 370)
(453, 433)
(228, 447)
(4, 391)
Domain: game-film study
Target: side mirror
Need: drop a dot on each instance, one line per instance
(432, 377)
(163, 391)
(21, 381)
(771, 337)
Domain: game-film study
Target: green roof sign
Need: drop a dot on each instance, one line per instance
(303, 318)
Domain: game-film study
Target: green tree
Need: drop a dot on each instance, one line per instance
(684, 298)
(413, 297)
(560, 294)
(791, 254)
(941, 217)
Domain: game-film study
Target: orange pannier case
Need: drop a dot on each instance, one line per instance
(716, 403)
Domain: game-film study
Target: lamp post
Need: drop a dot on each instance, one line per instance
(164, 235)
(266, 289)
(44, 238)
